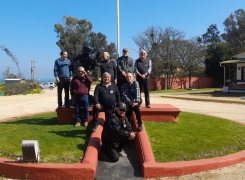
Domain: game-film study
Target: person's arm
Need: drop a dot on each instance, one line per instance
(136, 68)
(70, 70)
(98, 64)
(72, 88)
(96, 94)
(115, 70)
(149, 69)
(88, 77)
(117, 94)
(130, 65)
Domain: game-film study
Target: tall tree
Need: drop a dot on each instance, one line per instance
(235, 29)
(74, 33)
(212, 35)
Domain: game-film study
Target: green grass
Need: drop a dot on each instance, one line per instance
(193, 137)
(58, 143)
(184, 90)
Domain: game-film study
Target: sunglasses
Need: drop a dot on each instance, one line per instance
(80, 71)
(123, 110)
(142, 53)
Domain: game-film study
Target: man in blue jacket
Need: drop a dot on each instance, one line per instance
(63, 76)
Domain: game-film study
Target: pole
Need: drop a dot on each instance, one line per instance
(118, 30)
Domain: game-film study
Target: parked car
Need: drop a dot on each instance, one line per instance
(47, 85)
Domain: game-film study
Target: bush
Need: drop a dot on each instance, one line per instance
(21, 88)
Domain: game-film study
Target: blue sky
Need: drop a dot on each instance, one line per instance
(27, 26)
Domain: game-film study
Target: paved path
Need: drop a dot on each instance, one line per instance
(15, 106)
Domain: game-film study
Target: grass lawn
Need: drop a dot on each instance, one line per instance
(58, 143)
(193, 137)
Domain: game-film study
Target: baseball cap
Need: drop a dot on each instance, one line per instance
(125, 49)
(121, 105)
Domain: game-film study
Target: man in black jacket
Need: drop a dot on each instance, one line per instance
(142, 69)
(107, 65)
(125, 64)
(106, 96)
(116, 134)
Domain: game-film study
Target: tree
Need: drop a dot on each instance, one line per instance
(161, 46)
(191, 55)
(14, 59)
(235, 29)
(74, 33)
(212, 35)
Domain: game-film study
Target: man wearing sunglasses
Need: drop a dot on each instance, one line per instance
(131, 96)
(142, 69)
(117, 132)
(79, 91)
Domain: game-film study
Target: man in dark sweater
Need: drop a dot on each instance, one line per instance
(125, 64)
(63, 76)
(107, 65)
(106, 96)
(79, 91)
(142, 69)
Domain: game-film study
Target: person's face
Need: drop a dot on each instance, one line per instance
(125, 53)
(80, 72)
(143, 55)
(129, 77)
(105, 57)
(121, 112)
(64, 55)
(106, 79)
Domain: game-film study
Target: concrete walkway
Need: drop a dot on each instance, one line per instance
(15, 106)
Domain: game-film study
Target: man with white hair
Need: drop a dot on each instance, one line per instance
(107, 65)
(79, 91)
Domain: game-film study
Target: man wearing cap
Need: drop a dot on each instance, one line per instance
(116, 134)
(125, 64)
(131, 96)
(106, 96)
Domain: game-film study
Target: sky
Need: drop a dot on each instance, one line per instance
(27, 26)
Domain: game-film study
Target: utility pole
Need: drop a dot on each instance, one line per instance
(32, 70)
(8, 71)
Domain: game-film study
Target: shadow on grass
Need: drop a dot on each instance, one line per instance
(34, 121)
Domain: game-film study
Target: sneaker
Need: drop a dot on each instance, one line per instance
(85, 124)
(77, 124)
(122, 153)
(95, 128)
(140, 128)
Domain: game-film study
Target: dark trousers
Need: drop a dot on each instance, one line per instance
(63, 84)
(120, 82)
(146, 85)
(136, 110)
(108, 112)
(111, 149)
(82, 102)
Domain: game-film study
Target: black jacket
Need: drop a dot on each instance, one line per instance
(115, 128)
(106, 96)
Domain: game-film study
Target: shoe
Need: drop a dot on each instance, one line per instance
(140, 128)
(122, 153)
(85, 124)
(148, 106)
(77, 124)
(95, 128)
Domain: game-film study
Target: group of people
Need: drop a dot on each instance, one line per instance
(117, 95)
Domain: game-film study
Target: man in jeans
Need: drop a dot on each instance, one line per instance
(63, 76)
(79, 91)
(106, 96)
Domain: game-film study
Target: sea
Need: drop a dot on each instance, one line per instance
(43, 80)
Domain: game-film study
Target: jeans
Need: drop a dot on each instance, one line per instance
(82, 102)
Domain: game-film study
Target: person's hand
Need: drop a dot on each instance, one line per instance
(131, 103)
(123, 73)
(115, 81)
(143, 76)
(58, 80)
(70, 79)
(132, 135)
(97, 106)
